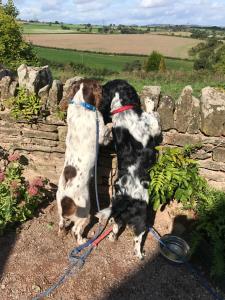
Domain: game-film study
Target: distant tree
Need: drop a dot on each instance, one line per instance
(195, 50)
(153, 61)
(199, 34)
(13, 49)
(208, 55)
(219, 61)
(10, 9)
(64, 27)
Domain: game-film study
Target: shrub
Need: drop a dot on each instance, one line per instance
(13, 49)
(175, 175)
(25, 105)
(162, 65)
(10, 9)
(219, 60)
(210, 227)
(132, 66)
(209, 55)
(18, 198)
(153, 61)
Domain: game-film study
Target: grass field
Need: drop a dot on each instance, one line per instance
(33, 28)
(172, 82)
(176, 47)
(100, 61)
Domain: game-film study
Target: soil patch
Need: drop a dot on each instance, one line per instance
(33, 258)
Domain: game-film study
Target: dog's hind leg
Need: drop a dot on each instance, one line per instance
(138, 244)
(78, 229)
(60, 212)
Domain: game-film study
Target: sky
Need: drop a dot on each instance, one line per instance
(140, 12)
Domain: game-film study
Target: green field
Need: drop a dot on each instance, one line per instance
(100, 61)
(31, 28)
(180, 72)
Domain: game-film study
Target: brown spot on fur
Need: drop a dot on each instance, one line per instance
(69, 95)
(68, 207)
(69, 173)
(92, 93)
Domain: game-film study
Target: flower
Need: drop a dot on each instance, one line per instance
(14, 185)
(14, 157)
(32, 191)
(2, 176)
(38, 182)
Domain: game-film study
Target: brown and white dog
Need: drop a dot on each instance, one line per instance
(73, 197)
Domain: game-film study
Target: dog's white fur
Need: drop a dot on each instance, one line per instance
(80, 154)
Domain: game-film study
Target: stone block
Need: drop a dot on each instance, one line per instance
(40, 134)
(166, 110)
(219, 154)
(187, 112)
(212, 112)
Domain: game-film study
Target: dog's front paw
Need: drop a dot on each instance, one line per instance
(108, 134)
(139, 254)
(81, 241)
(61, 230)
(112, 237)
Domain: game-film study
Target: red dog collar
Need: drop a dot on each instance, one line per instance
(121, 109)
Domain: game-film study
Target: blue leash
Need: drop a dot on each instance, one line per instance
(202, 280)
(76, 261)
(96, 161)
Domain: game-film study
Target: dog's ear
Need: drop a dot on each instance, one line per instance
(97, 91)
(73, 89)
(92, 93)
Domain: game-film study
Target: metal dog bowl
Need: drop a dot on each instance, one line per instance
(174, 248)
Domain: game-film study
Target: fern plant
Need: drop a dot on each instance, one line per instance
(175, 175)
(25, 105)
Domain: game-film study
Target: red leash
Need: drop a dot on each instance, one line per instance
(101, 237)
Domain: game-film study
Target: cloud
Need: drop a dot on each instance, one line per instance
(153, 3)
(202, 12)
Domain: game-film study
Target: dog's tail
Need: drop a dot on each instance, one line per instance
(104, 215)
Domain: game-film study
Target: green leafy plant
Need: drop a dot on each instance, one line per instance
(61, 115)
(210, 228)
(14, 51)
(25, 105)
(153, 61)
(18, 198)
(175, 175)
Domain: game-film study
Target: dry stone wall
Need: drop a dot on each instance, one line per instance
(195, 121)
(186, 121)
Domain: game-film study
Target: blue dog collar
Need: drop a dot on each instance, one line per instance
(84, 104)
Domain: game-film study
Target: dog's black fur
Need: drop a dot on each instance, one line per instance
(134, 156)
(127, 94)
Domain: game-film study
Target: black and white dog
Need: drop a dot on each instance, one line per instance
(135, 135)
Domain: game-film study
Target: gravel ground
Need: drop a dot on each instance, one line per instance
(33, 258)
